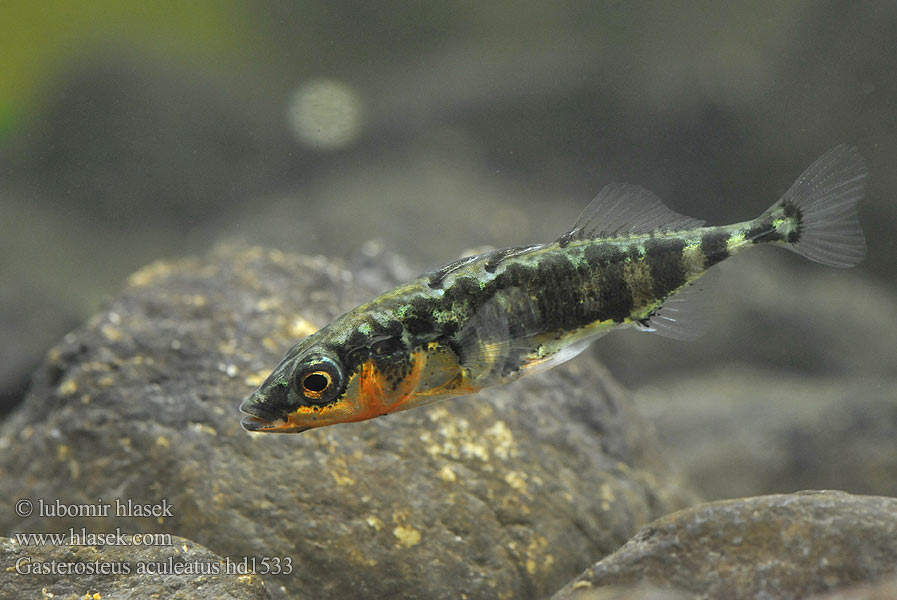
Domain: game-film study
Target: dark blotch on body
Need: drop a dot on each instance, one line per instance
(793, 212)
(667, 269)
(790, 209)
(418, 325)
(611, 294)
(763, 231)
(713, 246)
(615, 297)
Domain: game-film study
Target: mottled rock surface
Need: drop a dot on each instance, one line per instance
(785, 546)
(632, 592)
(182, 570)
(882, 589)
(508, 494)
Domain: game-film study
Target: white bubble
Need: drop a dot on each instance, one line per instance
(325, 114)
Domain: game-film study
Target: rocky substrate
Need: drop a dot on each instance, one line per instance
(182, 570)
(508, 494)
(784, 546)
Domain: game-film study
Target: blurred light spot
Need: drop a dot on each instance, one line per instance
(325, 114)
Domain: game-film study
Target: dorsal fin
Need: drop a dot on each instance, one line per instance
(621, 209)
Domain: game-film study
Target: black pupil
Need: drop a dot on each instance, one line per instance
(316, 382)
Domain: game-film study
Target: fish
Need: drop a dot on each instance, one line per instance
(486, 320)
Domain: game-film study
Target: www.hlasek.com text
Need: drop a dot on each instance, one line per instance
(82, 537)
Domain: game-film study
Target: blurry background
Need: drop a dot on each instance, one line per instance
(134, 131)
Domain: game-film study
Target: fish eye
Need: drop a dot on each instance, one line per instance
(318, 381)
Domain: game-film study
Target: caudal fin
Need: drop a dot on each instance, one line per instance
(817, 216)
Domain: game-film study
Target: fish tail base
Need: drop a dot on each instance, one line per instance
(817, 216)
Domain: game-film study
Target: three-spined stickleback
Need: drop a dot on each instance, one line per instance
(492, 318)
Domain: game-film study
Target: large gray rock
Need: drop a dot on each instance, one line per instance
(881, 589)
(508, 494)
(181, 570)
(785, 546)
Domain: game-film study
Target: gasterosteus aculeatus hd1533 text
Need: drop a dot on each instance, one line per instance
(489, 319)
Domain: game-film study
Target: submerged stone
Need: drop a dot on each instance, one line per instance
(507, 494)
(179, 569)
(783, 546)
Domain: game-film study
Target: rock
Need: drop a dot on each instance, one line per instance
(182, 570)
(882, 589)
(631, 592)
(799, 433)
(507, 494)
(784, 546)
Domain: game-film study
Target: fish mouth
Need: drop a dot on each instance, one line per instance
(251, 423)
(261, 418)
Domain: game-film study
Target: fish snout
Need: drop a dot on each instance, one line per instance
(261, 416)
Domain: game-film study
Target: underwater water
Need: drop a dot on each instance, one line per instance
(385, 140)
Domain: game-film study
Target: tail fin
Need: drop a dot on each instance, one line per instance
(817, 216)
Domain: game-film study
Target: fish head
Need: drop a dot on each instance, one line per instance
(321, 382)
(302, 392)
